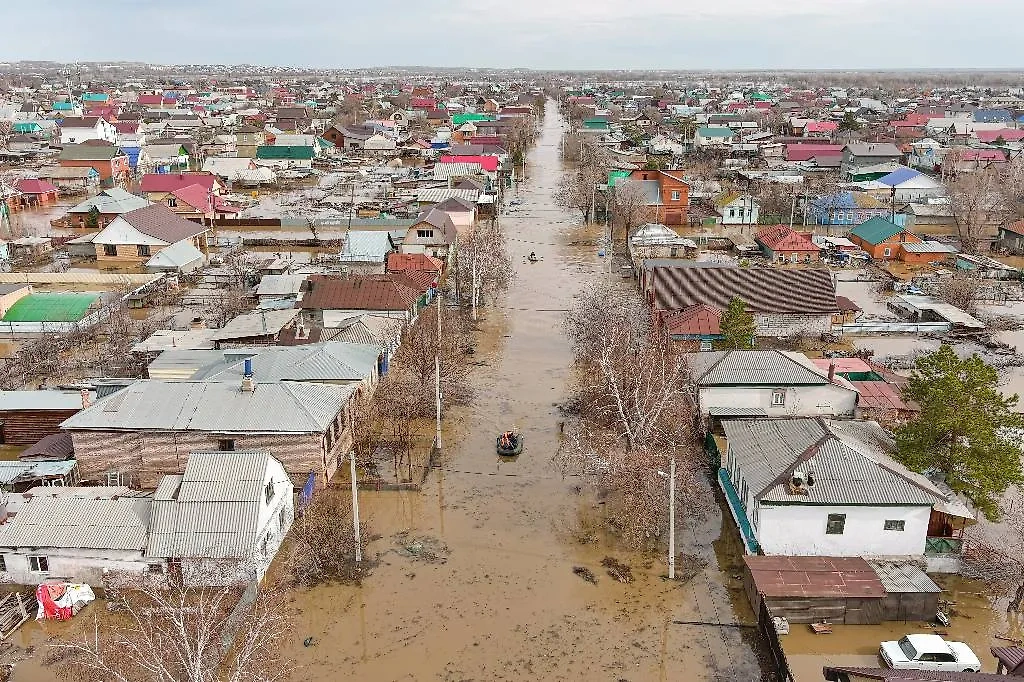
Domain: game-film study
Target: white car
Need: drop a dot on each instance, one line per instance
(929, 652)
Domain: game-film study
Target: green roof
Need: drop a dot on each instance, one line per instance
(715, 132)
(281, 152)
(25, 127)
(63, 106)
(50, 308)
(460, 119)
(595, 124)
(616, 175)
(876, 230)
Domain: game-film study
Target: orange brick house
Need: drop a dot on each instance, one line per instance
(668, 195)
(882, 238)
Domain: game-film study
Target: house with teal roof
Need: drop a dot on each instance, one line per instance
(95, 97)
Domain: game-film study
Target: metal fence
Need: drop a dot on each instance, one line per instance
(859, 328)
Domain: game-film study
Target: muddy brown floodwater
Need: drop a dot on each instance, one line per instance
(502, 602)
(475, 573)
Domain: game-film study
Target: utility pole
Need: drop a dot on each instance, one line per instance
(672, 518)
(355, 506)
(437, 377)
(472, 297)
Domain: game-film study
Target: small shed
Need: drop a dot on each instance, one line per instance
(909, 593)
(809, 589)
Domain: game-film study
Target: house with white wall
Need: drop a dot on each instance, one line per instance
(768, 383)
(817, 487)
(223, 520)
(78, 129)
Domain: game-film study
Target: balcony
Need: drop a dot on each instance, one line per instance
(937, 546)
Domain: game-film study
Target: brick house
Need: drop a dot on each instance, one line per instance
(668, 195)
(105, 158)
(137, 236)
(882, 239)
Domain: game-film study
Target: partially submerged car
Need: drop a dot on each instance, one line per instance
(929, 652)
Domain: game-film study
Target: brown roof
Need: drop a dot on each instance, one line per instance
(764, 290)
(79, 122)
(365, 292)
(54, 446)
(1010, 656)
(162, 223)
(846, 305)
(814, 576)
(698, 320)
(879, 395)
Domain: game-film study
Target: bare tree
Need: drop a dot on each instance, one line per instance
(635, 412)
(173, 632)
(995, 553)
(961, 290)
(414, 361)
(323, 544)
(630, 204)
(976, 203)
(577, 190)
(484, 268)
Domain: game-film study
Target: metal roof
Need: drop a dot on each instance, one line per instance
(753, 368)
(40, 400)
(847, 465)
(218, 407)
(212, 510)
(12, 471)
(903, 576)
(330, 361)
(257, 323)
(280, 285)
(366, 246)
(737, 412)
(76, 522)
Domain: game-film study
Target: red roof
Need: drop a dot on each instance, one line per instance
(879, 395)
(1008, 134)
(150, 99)
(196, 196)
(785, 238)
(982, 155)
(367, 292)
(842, 365)
(487, 163)
(820, 126)
(169, 182)
(697, 320)
(487, 139)
(34, 187)
(419, 262)
(806, 152)
(814, 576)
(127, 127)
(423, 103)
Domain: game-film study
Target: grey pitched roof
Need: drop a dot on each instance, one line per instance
(765, 290)
(257, 323)
(77, 522)
(280, 285)
(848, 464)
(214, 406)
(213, 509)
(329, 362)
(114, 200)
(752, 368)
(40, 400)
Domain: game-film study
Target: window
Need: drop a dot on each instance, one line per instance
(836, 524)
(894, 524)
(113, 478)
(778, 398)
(38, 564)
(109, 249)
(732, 212)
(226, 444)
(675, 195)
(172, 202)
(268, 492)
(143, 249)
(887, 252)
(705, 346)
(424, 234)
(673, 252)
(3, 562)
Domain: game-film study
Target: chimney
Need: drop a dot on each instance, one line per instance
(831, 372)
(248, 384)
(85, 398)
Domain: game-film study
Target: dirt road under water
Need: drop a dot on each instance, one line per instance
(499, 600)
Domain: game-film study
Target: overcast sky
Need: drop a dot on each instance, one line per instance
(560, 34)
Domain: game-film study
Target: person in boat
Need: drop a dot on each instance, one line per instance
(507, 440)
(532, 256)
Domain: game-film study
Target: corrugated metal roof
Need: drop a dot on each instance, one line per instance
(753, 368)
(436, 196)
(737, 412)
(213, 509)
(258, 323)
(677, 285)
(219, 407)
(330, 361)
(847, 466)
(76, 522)
(13, 470)
(903, 576)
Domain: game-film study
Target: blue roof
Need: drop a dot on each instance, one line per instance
(898, 176)
(133, 155)
(992, 115)
(838, 201)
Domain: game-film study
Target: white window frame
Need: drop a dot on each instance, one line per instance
(675, 195)
(778, 398)
(705, 346)
(887, 253)
(37, 563)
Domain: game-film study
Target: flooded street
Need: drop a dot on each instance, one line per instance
(503, 602)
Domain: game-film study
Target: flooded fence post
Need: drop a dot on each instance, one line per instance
(767, 627)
